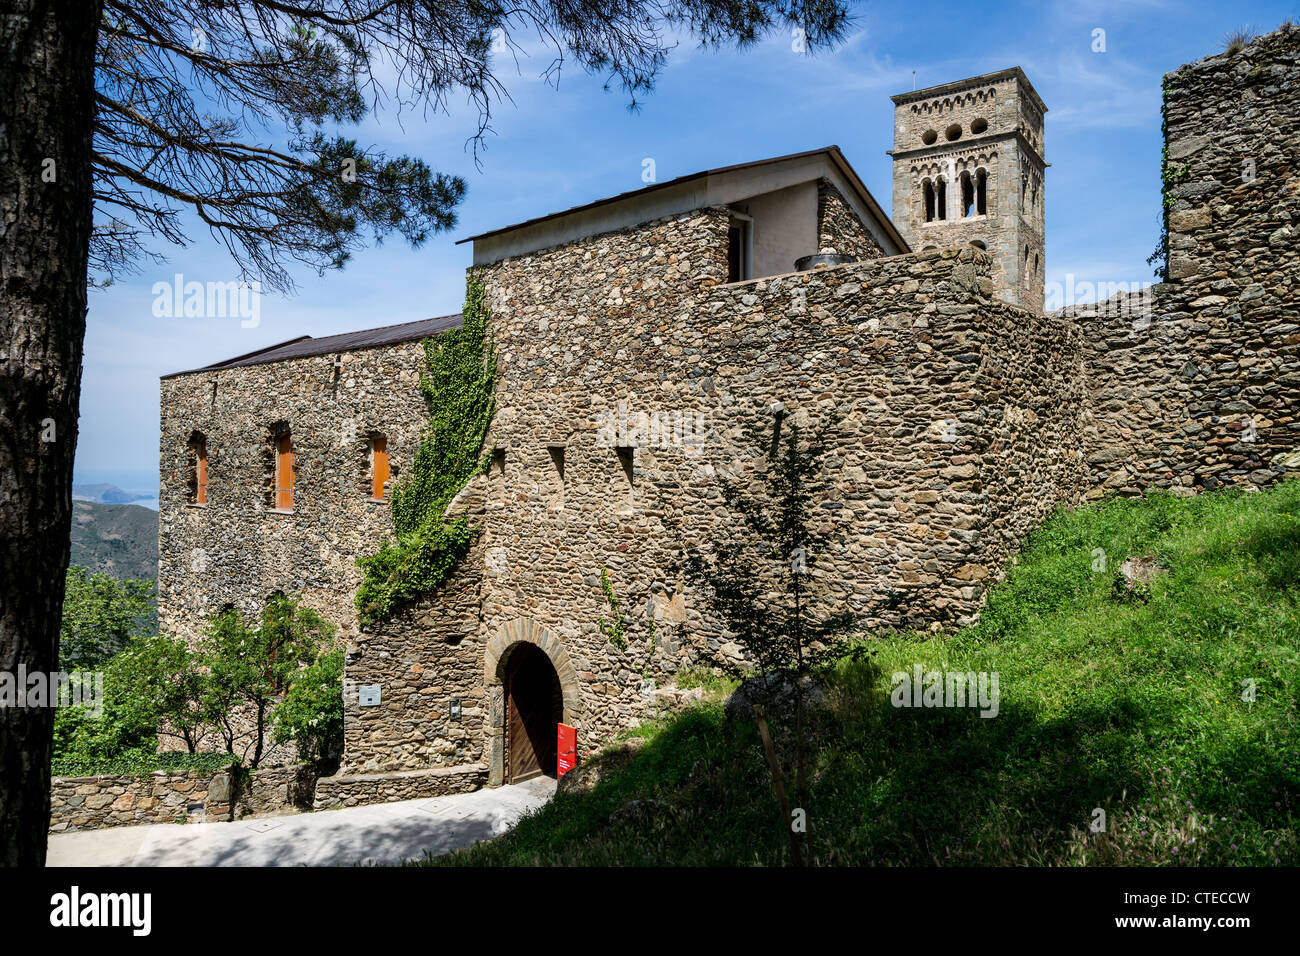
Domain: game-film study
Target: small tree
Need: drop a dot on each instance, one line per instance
(159, 678)
(251, 666)
(761, 582)
(151, 687)
(311, 714)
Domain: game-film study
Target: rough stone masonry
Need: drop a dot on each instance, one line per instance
(631, 360)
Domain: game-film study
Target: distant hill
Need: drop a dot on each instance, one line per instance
(104, 494)
(120, 540)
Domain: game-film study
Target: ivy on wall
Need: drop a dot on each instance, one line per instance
(1171, 174)
(429, 544)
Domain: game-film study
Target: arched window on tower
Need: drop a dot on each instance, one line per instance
(981, 192)
(941, 199)
(927, 192)
(967, 195)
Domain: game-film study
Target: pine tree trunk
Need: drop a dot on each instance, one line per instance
(47, 53)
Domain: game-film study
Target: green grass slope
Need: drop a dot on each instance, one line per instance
(1131, 705)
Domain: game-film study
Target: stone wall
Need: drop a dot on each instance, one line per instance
(236, 550)
(426, 657)
(88, 803)
(957, 433)
(344, 790)
(1197, 383)
(91, 803)
(839, 230)
(270, 791)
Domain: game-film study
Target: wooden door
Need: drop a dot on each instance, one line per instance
(532, 716)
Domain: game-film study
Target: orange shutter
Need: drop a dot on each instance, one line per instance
(379, 467)
(284, 475)
(201, 474)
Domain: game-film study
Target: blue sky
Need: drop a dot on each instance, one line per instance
(555, 148)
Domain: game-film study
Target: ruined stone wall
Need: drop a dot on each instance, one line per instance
(1197, 383)
(839, 230)
(1031, 401)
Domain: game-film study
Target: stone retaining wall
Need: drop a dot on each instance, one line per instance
(269, 791)
(191, 796)
(333, 793)
(88, 803)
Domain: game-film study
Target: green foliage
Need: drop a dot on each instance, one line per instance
(311, 713)
(705, 678)
(459, 389)
(250, 666)
(1171, 174)
(1234, 41)
(139, 763)
(612, 629)
(152, 682)
(100, 615)
(615, 629)
(1136, 708)
(157, 686)
(761, 582)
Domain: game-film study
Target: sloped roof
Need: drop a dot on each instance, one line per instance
(833, 153)
(305, 345)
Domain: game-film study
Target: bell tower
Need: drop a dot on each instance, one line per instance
(968, 168)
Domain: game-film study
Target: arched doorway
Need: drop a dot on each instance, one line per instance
(534, 706)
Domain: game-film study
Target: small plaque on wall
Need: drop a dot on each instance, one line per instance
(368, 695)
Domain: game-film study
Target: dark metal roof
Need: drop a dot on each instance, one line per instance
(305, 346)
(832, 151)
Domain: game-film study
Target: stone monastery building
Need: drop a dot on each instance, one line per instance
(638, 335)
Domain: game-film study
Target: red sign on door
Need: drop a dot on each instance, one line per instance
(567, 749)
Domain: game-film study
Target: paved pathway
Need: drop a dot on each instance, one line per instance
(382, 833)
